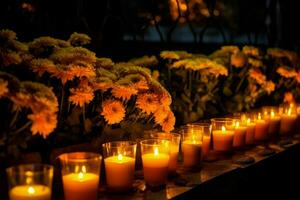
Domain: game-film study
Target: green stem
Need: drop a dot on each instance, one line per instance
(240, 84)
(14, 119)
(22, 128)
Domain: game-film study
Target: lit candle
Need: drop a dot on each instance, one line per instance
(155, 166)
(191, 149)
(250, 132)
(287, 122)
(223, 139)
(81, 185)
(174, 149)
(30, 192)
(205, 146)
(119, 172)
(261, 129)
(239, 135)
(274, 126)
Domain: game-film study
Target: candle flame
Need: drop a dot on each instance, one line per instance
(237, 124)
(223, 129)
(82, 172)
(120, 157)
(248, 121)
(31, 190)
(272, 114)
(259, 116)
(83, 169)
(80, 175)
(289, 111)
(156, 151)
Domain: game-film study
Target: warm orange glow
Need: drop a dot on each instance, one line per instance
(120, 157)
(156, 152)
(289, 111)
(31, 190)
(272, 114)
(237, 124)
(248, 121)
(259, 116)
(223, 129)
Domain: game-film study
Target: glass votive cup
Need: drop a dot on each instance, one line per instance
(271, 114)
(240, 130)
(155, 159)
(248, 120)
(261, 127)
(80, 175)
(30, 182)
(288, 119)
(175, 140)
(119, 162)
(222, 134)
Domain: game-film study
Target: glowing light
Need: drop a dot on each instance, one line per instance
(120, 157)
(223, 129)
(31, 190)
(156, 151)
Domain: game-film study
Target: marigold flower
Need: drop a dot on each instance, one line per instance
(169, 122)
(138, 81)
(255, 62)
(161, 114)
(123, 92)
(79, 39)
(238, 60)
(258, 76)
(147, 102)
(175, 55)
(63, 73)
(40, 66)
(70, 55)
(251, 51)
(155, 74)
(6, 34)
(113, 111)
(230, 49)
(106, 63)
(43, 123)
(102, 83)
(10, 58)
(286, 72)
(289, 97)
(3, 87)
(269, 87)
(145, 61)
(82, 69)
(82, 94)
(165, 99)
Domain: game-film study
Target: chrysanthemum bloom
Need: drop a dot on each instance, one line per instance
(147, 102)
(138, 81)
(145, 61)
(81, 69)
(161, 114)
(286, 72)
(155, 74)
(123, 92)
(255, 62)
(217, 69)
(3, 87)
(289, 97)
(79, 39)
(43, 123)
(175, 55)
(40, 66)
(113, 111)
(258, 76)
(7, 34)
(63, 73)
(106, 63)
(101, 83)
(10, 58)
(165, 99)
(81, 95)
(230, 49)
(238, 60)
(298, 77)
(169, 122)
(269, 87)
(70, 55)
(251, 50)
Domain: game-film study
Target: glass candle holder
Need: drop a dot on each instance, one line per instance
(240, 131)
(80, 175)
(248, 120)
(288, 119)
(155, 159)
(119, 161)
(222, 134)
(261, 127)
(174, 139)
(30, 182)
(271, 113)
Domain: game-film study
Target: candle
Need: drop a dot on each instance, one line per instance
(250, 132)
(223, 139)
(80, 186)
(205, 146)
(119, 172)
(174, 149)
(261, 129)
(155, 166)
(274, 125)
(287, 122)
(30, 192)
(191, 150)
(239, 135)
(80, 175)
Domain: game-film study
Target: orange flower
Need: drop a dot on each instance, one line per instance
(258, 76)
(286, 72)
(82, 69)
(113, 111)
(63, 73)
(269, 87)
(165, 99)
(81, 95)
(147, 102)
(102, 83)
(43, 123)
(251, 50)
(3, 87)
(169, 122)
(238, 60)
(41, 66)
(161, 114)
(255, 62)
(289, 97)
(123, 92)
(298, 77)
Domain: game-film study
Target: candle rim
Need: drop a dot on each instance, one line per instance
(79, 156)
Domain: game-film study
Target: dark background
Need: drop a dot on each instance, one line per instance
(122, 29)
